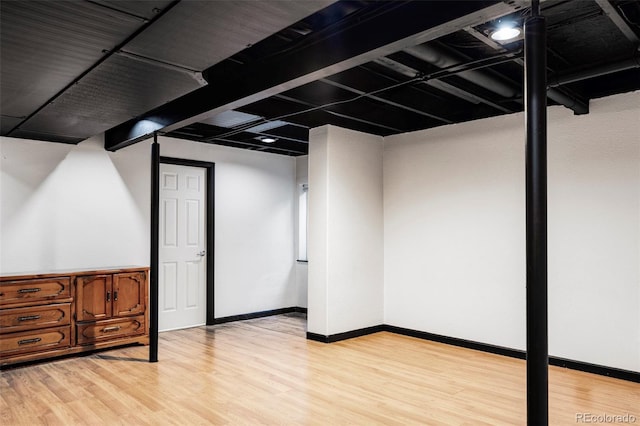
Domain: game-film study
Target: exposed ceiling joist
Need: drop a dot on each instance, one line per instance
(387, 101)
(289, 139)
(618, 20)
(313, 107)
(354, 43)
(381, 67)
(258, 147)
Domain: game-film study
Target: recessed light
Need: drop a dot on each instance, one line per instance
(505, 32)
(268, 140)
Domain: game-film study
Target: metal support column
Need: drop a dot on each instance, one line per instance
(536, 217)
(155, 223)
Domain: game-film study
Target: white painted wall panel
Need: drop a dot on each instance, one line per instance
(318, 244)
(455, 237)
(68, 207)
(346, 244)
(79, 215)
(254, 248)
(302, 269)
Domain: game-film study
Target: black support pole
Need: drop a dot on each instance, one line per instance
(155, 223)
(536, 217)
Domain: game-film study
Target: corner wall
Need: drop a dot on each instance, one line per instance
(70, 207)
(455, 237)
(345, 231)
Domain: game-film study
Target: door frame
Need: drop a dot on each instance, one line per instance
(209, 225)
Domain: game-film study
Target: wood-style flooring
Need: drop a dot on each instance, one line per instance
(264, 371)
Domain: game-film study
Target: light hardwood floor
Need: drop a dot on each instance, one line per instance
(264, 371)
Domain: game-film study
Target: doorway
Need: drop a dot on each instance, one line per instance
(186, 255)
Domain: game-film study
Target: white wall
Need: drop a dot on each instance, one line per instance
(318, 243)
(346, 230)
(68, 207)
(455, 237)
(594, 234)
(255, 196)
(302, 270)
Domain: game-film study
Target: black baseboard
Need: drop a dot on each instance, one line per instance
(586, 367)
(344, 336)
(260, 314)
(601, 370)
(317, 337)
(469, 344)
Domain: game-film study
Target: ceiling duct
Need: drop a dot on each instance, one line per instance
(442, 59)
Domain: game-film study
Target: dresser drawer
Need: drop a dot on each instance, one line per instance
(110, 329)
(37, 340)
(35, 290)
(22, 319)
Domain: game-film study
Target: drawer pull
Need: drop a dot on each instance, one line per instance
(29, 318)
(28, 341)
(108, 296)
(115, 296)
(29, 290)
(108, 329)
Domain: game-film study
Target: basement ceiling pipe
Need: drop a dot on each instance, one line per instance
(438, 84)
(572, 103)
(443, 59)
(626, 64)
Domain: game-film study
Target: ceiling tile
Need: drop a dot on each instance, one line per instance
(198, 34)
(46, 45)
(117, 90)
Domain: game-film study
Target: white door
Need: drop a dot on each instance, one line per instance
(182, 251)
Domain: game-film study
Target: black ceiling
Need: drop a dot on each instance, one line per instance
(235, 72)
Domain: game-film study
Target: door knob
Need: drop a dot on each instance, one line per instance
(202, 253)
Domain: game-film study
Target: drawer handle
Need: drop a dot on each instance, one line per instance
(28, 341)
(29, 318)
(29, 290)
(115, 296)
(108, 329)
(108, 296)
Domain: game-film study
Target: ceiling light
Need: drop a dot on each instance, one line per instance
(505, 32)
(268, 139)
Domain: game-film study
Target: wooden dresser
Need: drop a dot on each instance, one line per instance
(54, 314)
